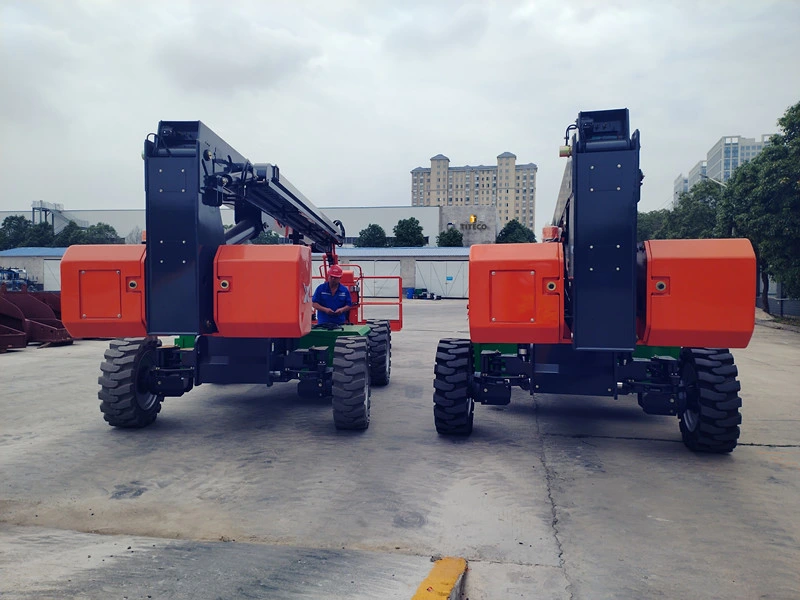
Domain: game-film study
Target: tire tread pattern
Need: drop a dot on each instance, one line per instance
(717, 401)
(380, 352)
(453, 408)
(351, 391)
(118, 379)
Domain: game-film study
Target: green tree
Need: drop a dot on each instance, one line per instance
(408, 233)
(70, 235)
(780, 180)
(740, 214)
(695, 214)
(39, 236)
(373, 236)
(650, 225)
(515, 232)
(450, 238)
(762, 203)
(101, 233)
(14, 231)
(266, 238)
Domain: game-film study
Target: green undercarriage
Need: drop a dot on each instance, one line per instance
(640, 352)
(317, 337)
(327, 337)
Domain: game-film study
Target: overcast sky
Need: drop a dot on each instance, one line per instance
(348, 96)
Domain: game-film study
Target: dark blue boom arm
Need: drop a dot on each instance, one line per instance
(190, 172)
(597, 214)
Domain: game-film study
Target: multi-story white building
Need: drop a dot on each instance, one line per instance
(728, 153)
(696, 174)
(507, 186)
(679, 186)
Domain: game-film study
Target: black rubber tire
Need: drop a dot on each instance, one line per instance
(351, 392)
(711, 419)
(125, 400)
(453, 406)
(380, 352)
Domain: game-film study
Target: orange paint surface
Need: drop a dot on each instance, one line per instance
(349, 281)
(700, 293)
(102, 291)
(516, 293)
(263, 291)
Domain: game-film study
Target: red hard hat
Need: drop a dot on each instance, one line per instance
(335, 271)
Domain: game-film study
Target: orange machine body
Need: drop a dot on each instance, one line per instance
(102, 291)
(550, 233)
(699, 293)
(262, 291)
(349, 281)
(516, 293)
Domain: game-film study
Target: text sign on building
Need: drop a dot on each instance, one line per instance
(474, 224)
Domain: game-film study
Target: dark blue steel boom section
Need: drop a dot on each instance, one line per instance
(190, 172)
(596, 212)
(600, 232)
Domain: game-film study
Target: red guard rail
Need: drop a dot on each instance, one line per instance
(361, 302)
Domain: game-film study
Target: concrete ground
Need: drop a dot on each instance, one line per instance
(243, 491)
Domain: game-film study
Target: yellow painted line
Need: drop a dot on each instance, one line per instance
(446, 580)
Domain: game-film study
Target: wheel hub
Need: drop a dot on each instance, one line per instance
(688, 398)
(144, 397)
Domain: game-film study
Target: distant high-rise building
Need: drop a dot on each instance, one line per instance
(508, 186)
(680, 186)
(696, 174)
(728, 153)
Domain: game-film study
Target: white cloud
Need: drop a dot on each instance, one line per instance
(319, 87)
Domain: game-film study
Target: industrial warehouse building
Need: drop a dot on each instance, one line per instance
(42, 265)
(478, 224)
(441, 271)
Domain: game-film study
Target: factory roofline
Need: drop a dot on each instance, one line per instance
(33, 252)
(426, 251)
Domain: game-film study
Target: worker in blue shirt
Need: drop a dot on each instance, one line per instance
(332, 300)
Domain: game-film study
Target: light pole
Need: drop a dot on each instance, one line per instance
(719, 183)
(722, 185)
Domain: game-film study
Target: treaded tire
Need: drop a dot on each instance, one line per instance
(453, 406)
(711, 419)
(350, 392)
(380, 352)
(125, 400)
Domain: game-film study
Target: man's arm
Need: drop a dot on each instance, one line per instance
(316, 301)
(320, 308)
(348, 302)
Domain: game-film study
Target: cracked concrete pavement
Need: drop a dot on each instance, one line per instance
(250, 489)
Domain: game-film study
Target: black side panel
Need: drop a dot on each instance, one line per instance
(560, 369)
(602, 243)
(183, 234)
(233, 360)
